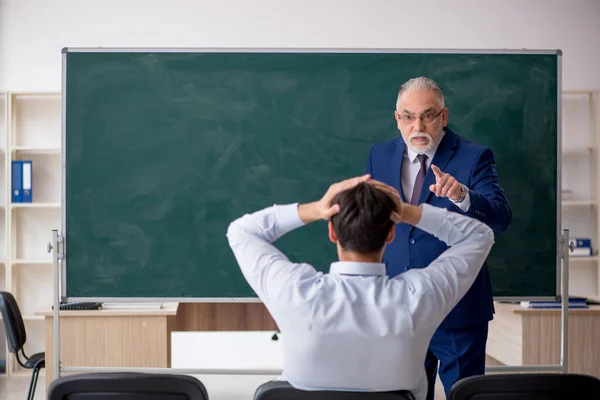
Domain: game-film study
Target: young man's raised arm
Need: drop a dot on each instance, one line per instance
(442, 284)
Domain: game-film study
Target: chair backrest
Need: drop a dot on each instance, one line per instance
(13, 322)
(526, 386)
(127, 386)
(281, 390)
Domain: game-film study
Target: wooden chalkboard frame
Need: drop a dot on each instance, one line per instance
(62, 268)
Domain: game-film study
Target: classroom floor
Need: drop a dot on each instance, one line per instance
(219, 387)
(15, 388)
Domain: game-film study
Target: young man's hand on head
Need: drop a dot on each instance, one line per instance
(406, 213)
(323, 209)
(396, 216)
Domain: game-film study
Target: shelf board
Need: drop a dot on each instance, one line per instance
(577, 150)
(37, 150)
(32, 262)
(577, 203)
(35, 205)
(580, 260)
(575, 91)
(35, 94)
(31, 317)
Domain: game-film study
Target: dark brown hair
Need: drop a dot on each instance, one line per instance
(363, 222)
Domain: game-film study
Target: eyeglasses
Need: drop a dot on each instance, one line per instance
(427, 117)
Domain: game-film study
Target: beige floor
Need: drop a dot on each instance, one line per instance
(219, 387)
(15, 388)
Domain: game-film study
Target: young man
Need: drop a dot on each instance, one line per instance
(354, 328)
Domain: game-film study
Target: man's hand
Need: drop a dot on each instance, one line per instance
(393, 193)
(445, 185)
(323, 209)
(406, 213)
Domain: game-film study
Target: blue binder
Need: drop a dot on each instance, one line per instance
(21, 181)
(17, 181)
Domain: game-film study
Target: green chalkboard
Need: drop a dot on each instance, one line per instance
(163, 149)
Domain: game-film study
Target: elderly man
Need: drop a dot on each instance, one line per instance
(429, 163)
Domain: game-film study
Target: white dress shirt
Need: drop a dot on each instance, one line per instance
(354, 328)
(410, 169)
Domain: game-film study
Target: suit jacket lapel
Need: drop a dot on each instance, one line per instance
(442, 155)
(397, 161)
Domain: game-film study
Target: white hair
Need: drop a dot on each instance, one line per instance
(421, 84)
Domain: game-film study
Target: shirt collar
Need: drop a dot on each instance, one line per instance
(430, 154)
(357, 268)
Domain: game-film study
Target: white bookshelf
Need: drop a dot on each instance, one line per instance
(30, 130)
(580, 174)
(3, 224)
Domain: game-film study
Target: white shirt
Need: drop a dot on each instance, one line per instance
(355, 328)
(410, 169)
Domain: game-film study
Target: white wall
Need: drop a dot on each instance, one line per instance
(32, 32)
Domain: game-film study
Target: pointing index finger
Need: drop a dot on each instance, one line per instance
(436, 171)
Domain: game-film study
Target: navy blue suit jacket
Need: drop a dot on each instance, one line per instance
(472, 165)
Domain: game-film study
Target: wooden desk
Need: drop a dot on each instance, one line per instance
(520, 336)
(111, 338)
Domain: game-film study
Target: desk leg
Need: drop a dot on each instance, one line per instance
(49, 353)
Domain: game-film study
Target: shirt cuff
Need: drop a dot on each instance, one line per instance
(465, 204)
(431, 218)
(287, 217)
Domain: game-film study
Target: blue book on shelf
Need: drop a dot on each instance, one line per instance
(582, 247)
(582, 242)
(17, 182)
(21, 181)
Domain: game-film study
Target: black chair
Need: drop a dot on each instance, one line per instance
(127, 386)
(282, 390)
(16, 337)
(526, 387)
